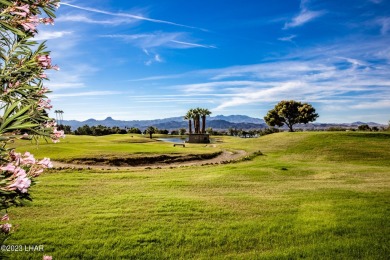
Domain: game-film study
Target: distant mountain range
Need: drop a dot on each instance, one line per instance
(218, 122)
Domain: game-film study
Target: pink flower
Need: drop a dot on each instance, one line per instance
(15, 156)
(5, 218)
(44, 104)
(47, 21)
(19, 172)
(43, 91)
(20, 13)
(21, 183)
(25, 136)
(6, 228)
(30, 24)
(45, 162)
(28, 158)
(10, 168)
(24, 8)
(57, 135)
(43, 76)
(47, 257)
(44, 61)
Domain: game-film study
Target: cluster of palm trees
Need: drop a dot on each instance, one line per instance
(59, 117)
(194, 115)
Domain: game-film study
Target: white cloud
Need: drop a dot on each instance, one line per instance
(84, 94)
(304, 16)
(193, 44)
(287, 38)
(49, 35)
(384, 23)
(85, 19)
(137, 17)
(158, 39)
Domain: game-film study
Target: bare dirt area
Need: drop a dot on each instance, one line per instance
(223, 157)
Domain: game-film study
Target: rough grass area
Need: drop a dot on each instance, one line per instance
(310, 195)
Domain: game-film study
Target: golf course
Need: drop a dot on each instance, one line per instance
(315, 195)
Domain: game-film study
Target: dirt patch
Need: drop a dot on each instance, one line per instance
(142, 160)
(161, 161)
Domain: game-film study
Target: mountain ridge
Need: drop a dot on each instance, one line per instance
(218, 122)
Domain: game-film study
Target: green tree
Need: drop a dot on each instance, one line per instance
(182, 131)
(364, 127)
(151, 130)
(290, 113)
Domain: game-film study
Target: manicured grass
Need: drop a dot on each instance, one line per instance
(75, 147)
(311, 195)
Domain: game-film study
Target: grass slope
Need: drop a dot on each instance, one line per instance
(312, 195)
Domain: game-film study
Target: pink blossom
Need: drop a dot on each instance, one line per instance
(30, 24)
(43, 76)
(10, 168)
(28, 158)
(44, 104)
(47, 257)
(25, 8)
(45, 162)
(47, 21)
(21, 183)
(50, 124)
(43, 91)
(5, 218)
(36, 173)
(15, 156)
(56, 135)
(6, 228)
(20, 13)
(19, 172)
(44, 61)
(25, 136)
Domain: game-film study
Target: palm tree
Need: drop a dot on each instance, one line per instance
(61, 116)
(188, 117)
(204, 112)
(196, 118)
(56, 112)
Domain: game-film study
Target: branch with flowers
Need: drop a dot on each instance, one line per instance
(23, 100)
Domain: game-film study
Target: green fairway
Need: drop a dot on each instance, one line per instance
(310, 195)
(112, 147)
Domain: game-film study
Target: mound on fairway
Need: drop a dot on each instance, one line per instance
(311, 195)
(117, 150)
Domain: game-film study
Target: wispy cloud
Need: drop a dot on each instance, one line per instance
(86, 19)
(305, 15)
(158, 39)
(137, 17)
(84, 94)
(384, 23)
(287, 38)
(49, 35)
(190, 44)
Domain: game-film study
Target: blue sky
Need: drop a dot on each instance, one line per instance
(154, 59)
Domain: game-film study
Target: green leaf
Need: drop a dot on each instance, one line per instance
(12, 29)
(23, 126)
(5, 2)
(12, 118)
